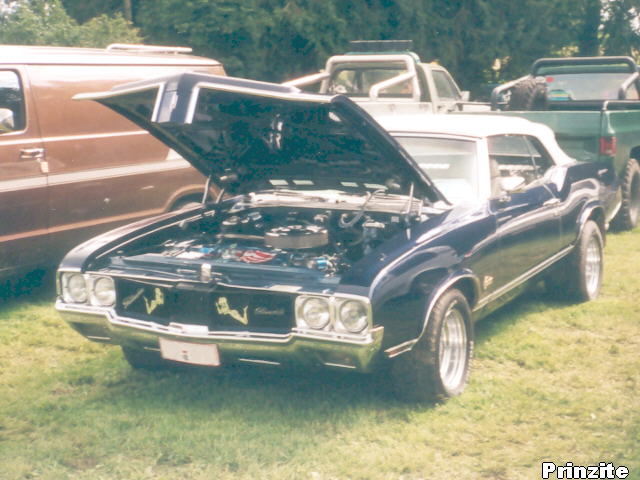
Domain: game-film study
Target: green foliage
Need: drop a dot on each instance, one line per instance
(478, 40)
(45, 22)
(620, 31)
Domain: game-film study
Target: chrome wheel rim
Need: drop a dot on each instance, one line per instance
(453, 349)
(593, 266)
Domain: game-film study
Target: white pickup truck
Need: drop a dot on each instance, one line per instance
(385, 76)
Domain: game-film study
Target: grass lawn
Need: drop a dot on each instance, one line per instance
(550, 382)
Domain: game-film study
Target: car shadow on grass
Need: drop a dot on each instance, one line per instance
(254, 386)
(35, 286)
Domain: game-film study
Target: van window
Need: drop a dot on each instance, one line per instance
(12, 116)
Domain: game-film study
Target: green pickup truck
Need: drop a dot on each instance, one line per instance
(593, 106)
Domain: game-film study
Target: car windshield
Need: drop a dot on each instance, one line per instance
(452, 164)
(595, 86)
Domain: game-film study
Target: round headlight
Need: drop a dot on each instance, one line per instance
(104, 292)
(315, 312)
(74, 288)
(353, 316)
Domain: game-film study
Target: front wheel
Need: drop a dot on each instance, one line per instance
(438, 365)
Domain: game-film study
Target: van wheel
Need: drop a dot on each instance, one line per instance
(438, 365)
(627, 217)
(528, 94)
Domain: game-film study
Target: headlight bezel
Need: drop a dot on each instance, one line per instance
(340, 323)
(90, 296)
(302, 302)
(94, 298)
(67, 289)
(335, 323)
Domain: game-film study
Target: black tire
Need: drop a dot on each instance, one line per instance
(579, 277)
(528, 94)
(419, 375)
(627, 217)
(144, 359)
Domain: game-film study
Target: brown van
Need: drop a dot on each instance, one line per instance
(71, 169)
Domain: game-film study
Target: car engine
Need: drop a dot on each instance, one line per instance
(328, 241)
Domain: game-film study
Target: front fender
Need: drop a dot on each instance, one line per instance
(406, 318)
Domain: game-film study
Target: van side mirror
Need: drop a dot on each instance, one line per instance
(7, 123)
(465, 96)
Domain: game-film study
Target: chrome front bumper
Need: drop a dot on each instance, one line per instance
(357, 352)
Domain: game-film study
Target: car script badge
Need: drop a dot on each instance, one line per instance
(256, 256)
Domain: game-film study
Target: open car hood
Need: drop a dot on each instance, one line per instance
(250, 136)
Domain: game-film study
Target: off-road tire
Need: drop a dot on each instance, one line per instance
(144, 359)
(416, 375)
(627, 216)
(573, 279)
(528, 94)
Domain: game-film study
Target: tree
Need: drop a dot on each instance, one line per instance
(46, 22)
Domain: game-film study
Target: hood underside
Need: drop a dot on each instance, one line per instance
(250, 136)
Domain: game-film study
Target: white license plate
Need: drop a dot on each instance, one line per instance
(193, 353)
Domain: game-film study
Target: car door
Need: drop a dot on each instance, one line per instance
(526, 209)
(23, 176)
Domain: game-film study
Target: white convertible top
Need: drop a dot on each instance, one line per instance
(475, 126)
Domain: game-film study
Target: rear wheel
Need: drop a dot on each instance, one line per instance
(580, 276)
(627, 217)
(438, 365)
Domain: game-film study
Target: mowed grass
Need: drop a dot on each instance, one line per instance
(550, 382)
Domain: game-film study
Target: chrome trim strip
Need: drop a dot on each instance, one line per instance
(243, 336)
(280, 288)
(522, 278)
(90, 136)
(112, 172)
(408, 345)
(261, 362)
(55, 179)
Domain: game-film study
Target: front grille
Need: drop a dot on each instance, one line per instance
(225, 309)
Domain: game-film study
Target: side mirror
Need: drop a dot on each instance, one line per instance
(7, 123)
(465, 96)
(511, 184)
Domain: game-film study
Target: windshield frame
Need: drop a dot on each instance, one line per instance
(483, 183)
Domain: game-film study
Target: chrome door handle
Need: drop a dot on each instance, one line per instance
(552, 202)
(32, 154)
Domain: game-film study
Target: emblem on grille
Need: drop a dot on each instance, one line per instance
(222, 305)
(126, 303)
(156, 302)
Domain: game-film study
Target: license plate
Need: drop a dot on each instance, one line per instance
(193, 353)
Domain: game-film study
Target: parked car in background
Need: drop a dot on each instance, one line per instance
(592, 104)
(385, 76)
(70, 170)
(339, 243)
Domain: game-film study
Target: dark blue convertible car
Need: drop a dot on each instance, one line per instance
(333, 239)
